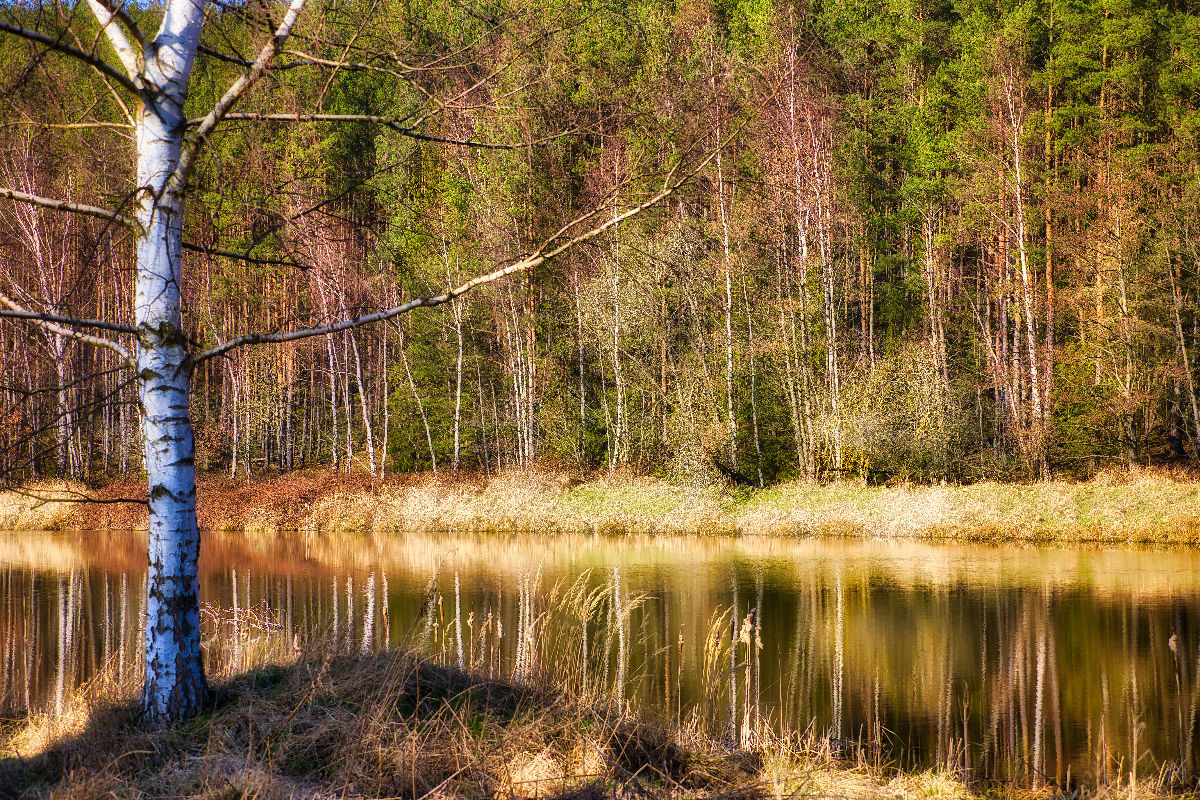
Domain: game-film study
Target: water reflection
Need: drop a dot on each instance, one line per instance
(1023, 665)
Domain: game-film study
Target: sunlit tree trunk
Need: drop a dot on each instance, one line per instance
(802, 219)
(174, 685)
(750, 346)
(582, 390)
(729, 397)
(619, 449)
(362, 399)
(1037, 419)
(936, 329)
(1181, 344)
(412, 385)
(333, 392)
(456, 310)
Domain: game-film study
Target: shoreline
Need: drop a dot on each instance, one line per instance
(1115, 509)
(544, 737)
(334, 724)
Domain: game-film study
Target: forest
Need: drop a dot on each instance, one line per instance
(928, 240)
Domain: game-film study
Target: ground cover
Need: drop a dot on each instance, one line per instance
(337, 725)
(1115, 508)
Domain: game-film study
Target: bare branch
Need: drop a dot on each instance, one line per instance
(390, 122)
(217, 54)
(36, 316)
(49, 322)
(70, 495)
(66, 125)
(308, 60)
(542, 255)
(234, 93)
(107, 17)
(304, 61)
(102, 66)
(64, 205)
(272, 262)
(121, 12)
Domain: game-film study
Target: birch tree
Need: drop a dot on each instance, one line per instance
(149, 77)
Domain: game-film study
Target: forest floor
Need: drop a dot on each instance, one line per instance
(392, 725)
(1116, 508)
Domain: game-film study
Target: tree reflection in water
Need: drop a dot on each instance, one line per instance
(1023, 666)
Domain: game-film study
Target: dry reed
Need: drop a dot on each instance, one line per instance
(341, 725)
(1114, 508)
(42, 506)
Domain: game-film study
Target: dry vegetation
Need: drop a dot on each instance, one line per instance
(45, 506)
(1141, 507)
(392, 725)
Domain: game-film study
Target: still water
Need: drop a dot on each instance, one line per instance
(1022, 665)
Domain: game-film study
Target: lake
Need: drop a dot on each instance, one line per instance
(1014, 664)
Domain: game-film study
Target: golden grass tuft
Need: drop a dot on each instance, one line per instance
(42, 506)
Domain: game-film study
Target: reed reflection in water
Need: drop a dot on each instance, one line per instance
(1021, 665)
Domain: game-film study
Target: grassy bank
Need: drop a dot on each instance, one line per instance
(1114, 508)
(392, 725)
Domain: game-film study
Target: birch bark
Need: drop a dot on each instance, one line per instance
(174, 681)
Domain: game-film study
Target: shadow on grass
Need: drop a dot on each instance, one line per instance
(388, 725)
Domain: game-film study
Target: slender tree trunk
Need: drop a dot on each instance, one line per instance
(1125, 377)
(619, 447)
(386, 424)
(824, 219)
(457, 310)
(1037, 420)
(174, 685)
(347, 407)
(412, 385)
(758, 455)
(1177, 306)
(582, 390)
(62, 428)
(1048, 155)
(487, 462)
(937, 335)
(333, 392)
(729, 398)
(362, 398)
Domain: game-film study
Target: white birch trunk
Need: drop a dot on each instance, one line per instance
(333, 393)
(729, 399)
(1036, 391)
(412, 385)
(458, 383)
(174, 685)
(362, 400)
(617, 455)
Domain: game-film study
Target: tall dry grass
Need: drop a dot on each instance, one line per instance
(1118, 507)
(42, 506)
(334, 725)
(1142, 507)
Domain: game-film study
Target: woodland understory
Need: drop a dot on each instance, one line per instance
(938, 241)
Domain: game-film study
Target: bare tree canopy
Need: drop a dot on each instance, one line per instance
(150, 84)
